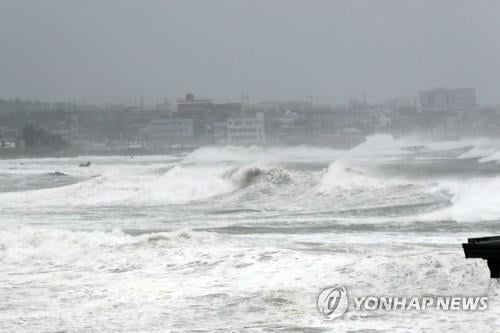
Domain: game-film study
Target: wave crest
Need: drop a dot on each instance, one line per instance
(245, 176)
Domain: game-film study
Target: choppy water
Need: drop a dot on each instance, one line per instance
(244, 239)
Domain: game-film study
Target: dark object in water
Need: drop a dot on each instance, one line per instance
(85, 164)
(57, 173)
(487, 248)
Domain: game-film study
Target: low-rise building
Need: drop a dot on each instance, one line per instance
(220, 132)
(161, 132)
(9, 139)
(11, 144)
(8, 133)
(206, 109)
(172, 129)
(246, 130)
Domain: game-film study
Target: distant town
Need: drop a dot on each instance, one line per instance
(65, 129)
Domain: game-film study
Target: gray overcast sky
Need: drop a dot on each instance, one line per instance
(97, 50)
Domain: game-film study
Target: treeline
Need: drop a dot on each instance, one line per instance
(18, 105)
(39, 138)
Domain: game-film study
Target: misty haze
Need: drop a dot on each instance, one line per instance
(249, 166)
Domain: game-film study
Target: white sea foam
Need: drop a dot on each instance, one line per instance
(473, 200)
(254, 281)
(340, 175)
(246, 238)
(261, 155)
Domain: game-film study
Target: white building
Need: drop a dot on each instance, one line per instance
(220, 132)
(246, 130)
(161, 131)
(8, 133)
(67, 129)
(448, 99)
(9, 140)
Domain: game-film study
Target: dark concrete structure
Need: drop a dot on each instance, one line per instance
(487, 248)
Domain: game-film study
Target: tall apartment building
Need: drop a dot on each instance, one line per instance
(463, 99)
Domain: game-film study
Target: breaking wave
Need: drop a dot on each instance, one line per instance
(378, 174)
(104, 251)
(245, 176)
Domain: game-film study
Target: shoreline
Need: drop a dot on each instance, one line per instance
(133, 151)
(82, 153)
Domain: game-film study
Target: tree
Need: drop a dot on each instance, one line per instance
(38, 137)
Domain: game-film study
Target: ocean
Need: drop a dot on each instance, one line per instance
(233, 239)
